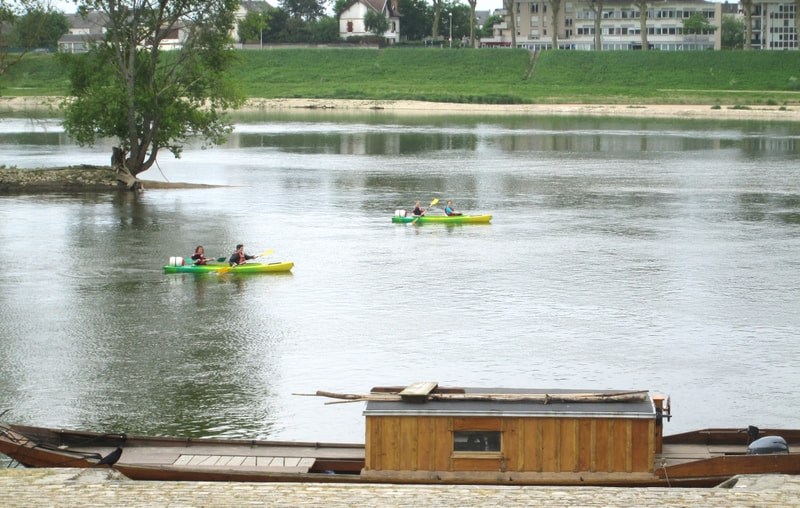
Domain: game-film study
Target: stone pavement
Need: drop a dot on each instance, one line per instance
(101, 487)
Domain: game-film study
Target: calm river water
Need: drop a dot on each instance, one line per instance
(623, 254)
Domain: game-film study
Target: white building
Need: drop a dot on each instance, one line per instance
(351, 20)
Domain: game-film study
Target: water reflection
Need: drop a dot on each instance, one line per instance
(623, 253)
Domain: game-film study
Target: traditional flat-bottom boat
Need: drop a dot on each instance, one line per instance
(284, 266)
(426, 434)
(443, 219)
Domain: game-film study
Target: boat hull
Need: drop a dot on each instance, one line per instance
(443, 219)
(281, 267)
(697, 459)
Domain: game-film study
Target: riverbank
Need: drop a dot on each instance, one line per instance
(101, 487)
(83, 178)
(698, 111)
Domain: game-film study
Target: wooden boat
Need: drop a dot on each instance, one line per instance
(428, 434)
(442, 219)
(280, 267)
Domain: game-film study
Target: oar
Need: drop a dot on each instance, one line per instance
(226, 269)
(436, 200)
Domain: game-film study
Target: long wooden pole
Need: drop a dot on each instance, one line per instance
(545, 398)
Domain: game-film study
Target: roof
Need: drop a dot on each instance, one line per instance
(520, 402)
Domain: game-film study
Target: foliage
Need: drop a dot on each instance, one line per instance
(732, 32)
(376, 22)
(339, 6)
(697, 23)
(306, 10)
(15, 42)
(128, 88)
(253, 27)
(488, 26)
(40, 29)
(324, 30)
(417, 19)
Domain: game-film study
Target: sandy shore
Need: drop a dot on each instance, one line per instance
(700, 111)
(609, 110)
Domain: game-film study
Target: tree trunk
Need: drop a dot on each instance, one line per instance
(748, 23)
(472, 5)
(598, 24)
(509, 7)
(120, 166)
(555, 8)
(642, 5)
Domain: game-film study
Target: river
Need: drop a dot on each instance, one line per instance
(622, 254)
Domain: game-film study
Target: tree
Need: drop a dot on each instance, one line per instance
(597, 7)
(508, 5)
(40, 29)
(417, 19)
(14, 12)
(437, 10)
(748, 23)
(472, 5)
(555, 8)
(376, 22)
(323, 30)
(697, 24)
(732, 31)
(126, 87)
(488, 26)
(307, 10)
(642, 6)
(252, 28)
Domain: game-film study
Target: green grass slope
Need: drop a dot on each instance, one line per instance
(489, 76)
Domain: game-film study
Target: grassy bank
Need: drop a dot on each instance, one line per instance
(491, 76)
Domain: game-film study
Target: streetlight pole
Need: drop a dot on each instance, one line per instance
(451, 29)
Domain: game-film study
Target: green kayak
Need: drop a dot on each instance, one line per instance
(442, 219)
(284, 266)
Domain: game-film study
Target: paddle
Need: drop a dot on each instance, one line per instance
(436, 200)
(226, 269)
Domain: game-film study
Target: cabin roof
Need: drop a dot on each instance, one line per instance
(558, 403)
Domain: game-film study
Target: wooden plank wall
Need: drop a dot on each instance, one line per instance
(425, 443)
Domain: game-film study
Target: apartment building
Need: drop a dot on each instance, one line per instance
(621, 27)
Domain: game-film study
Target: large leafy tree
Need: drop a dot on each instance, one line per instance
(34, 15)
(129, 88)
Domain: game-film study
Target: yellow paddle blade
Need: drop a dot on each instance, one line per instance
(265, 253)
(434, 201)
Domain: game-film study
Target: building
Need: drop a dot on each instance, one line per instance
(620, 25)
(774, 24)
(351, 19)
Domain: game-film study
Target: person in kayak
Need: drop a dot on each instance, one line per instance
(199, 256)
(239, 257)
(448, 210)
(417, 211)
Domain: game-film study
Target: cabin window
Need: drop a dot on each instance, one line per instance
(476, 441)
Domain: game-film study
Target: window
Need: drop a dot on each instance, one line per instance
(476, 441)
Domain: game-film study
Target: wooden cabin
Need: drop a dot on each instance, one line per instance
(510, 435)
